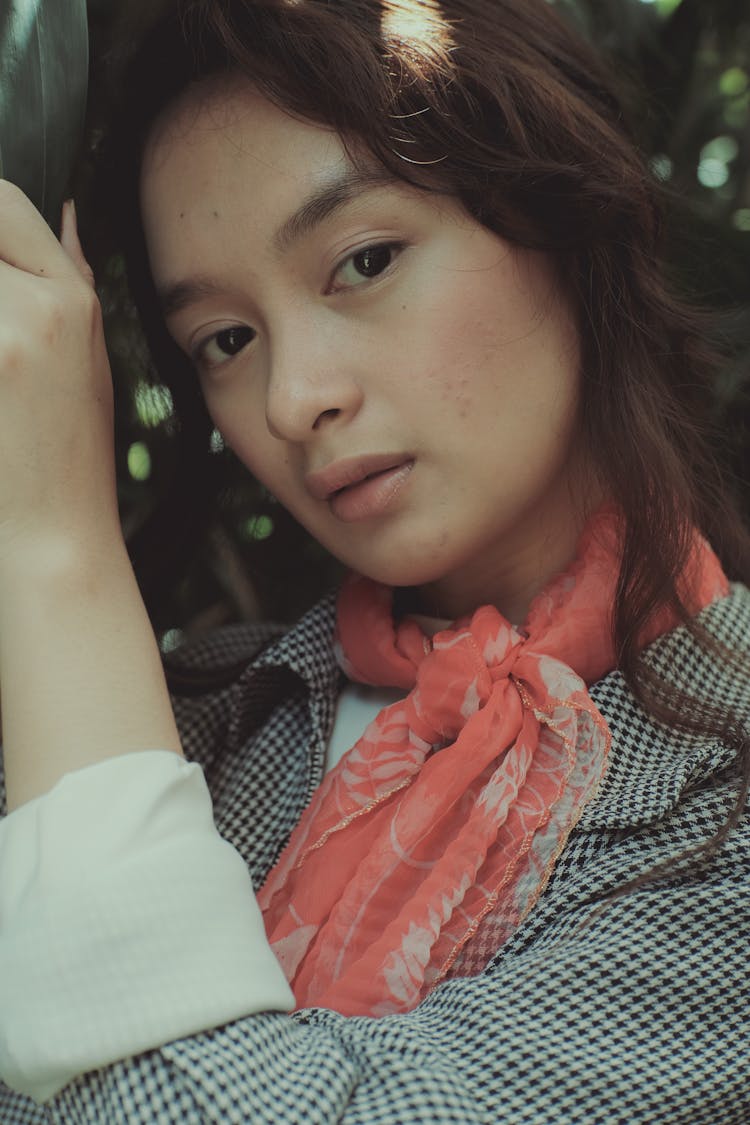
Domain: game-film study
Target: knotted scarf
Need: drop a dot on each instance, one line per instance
(455, 803)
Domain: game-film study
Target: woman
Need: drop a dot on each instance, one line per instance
(409, 258)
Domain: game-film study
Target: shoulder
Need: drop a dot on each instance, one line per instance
(689, 666)
(657, 826)
(223, 647)
(654, 766)
(235, 645)
(226, 684)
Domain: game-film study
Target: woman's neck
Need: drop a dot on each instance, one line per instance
(509, 574)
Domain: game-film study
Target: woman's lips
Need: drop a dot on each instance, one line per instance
(358, 488)
(371, 496)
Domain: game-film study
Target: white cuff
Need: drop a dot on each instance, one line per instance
(126, 921)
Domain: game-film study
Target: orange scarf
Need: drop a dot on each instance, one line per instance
(455, 803)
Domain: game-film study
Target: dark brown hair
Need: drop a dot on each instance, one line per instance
(500, 104)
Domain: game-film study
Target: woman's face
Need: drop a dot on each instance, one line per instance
(401, 379)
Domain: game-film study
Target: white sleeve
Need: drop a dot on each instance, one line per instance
(126, 921)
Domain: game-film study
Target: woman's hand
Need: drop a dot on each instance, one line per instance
(57, 485)
(79, 667)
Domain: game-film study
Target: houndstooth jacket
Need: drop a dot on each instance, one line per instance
(633, 1013)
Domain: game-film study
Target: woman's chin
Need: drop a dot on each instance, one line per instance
(402, 572)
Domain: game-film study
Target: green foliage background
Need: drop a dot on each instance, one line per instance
(686, 64)
(43, 70)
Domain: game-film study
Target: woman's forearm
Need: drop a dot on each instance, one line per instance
(80, 670)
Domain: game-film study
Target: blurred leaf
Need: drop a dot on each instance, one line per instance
(139, 461)
(43, 81)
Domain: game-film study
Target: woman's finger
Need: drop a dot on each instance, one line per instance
(26, 241)
(71, 243)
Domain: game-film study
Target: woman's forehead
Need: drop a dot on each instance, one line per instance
(228, 110)
(224, 143)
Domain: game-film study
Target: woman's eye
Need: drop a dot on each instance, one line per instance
(223, 345)
(365, 265)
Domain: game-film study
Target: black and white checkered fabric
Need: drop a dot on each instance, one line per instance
(635, 1013)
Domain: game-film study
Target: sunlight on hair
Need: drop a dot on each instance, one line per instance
(420, 22)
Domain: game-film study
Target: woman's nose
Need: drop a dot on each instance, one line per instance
(310, 387)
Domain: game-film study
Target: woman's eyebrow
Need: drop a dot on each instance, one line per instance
(325, 200)
(173, 298)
